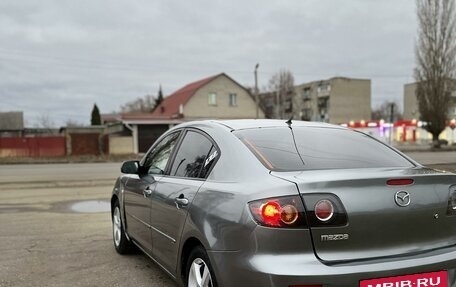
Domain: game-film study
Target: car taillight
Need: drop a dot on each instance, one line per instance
(400, 181)
(285, 212)
(324, 210)
(310, 210)
(451, 209)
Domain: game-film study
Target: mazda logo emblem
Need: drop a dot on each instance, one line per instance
(402, 198)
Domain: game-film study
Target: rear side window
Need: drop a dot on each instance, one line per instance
(318, 148)
(194, 157)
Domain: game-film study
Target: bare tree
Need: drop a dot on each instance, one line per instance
(282, 84)
(44, 121)
(140, 105)
(383, 112)
(435, 53)
(70, 123)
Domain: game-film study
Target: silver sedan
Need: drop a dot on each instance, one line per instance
(275, 203)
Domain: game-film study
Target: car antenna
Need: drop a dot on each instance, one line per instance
(289, 122)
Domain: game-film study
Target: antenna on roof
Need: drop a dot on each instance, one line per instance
(289, 122)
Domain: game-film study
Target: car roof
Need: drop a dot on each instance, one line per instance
(241, 124)
(267, 123)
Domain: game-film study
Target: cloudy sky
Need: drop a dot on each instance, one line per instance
(58, 58)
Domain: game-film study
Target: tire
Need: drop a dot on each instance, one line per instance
(199, 271)
(121, 242)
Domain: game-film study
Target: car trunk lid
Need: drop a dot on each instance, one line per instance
(377, 226)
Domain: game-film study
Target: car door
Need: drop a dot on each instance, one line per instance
(139, 188)
(174, 193)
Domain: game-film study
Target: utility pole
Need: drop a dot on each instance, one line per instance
(392, 123)
(452, 127)
(256, 90)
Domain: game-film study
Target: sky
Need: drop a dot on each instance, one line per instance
(59, 57)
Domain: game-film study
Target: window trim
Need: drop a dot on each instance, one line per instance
(177, 148)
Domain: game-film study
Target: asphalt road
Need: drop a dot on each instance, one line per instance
(431, 158)
(56, 229)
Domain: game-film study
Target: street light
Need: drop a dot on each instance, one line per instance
(256, 90)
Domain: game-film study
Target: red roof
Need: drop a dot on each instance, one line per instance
(170, 105)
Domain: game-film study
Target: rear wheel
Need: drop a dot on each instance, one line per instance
(199, 269)
(121, 242)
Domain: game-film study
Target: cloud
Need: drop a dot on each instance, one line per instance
(60, 57)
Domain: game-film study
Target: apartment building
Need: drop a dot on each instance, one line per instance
(336, 100)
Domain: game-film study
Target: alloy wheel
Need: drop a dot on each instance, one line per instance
(116, 226)
(199, 274)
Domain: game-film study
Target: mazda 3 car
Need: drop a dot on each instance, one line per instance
(275, 203)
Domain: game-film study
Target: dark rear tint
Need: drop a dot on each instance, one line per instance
(319, 148)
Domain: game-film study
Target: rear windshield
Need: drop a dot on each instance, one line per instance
(318, 148)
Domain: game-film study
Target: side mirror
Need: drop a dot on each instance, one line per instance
(130, 167)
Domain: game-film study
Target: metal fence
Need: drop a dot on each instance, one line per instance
(33, 146)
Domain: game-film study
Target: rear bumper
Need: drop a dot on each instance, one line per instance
(237, 269)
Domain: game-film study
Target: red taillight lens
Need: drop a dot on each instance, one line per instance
(270, 213)
(400, 181)
(289, 214)
(279, 212)
(324, 210)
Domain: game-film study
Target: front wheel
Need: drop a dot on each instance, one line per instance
(199, 269)
(121, 242)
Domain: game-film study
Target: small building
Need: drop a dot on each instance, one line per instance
(11, 124)
(139, 131)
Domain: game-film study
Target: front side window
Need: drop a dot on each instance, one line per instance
(212, 99)
(318, 148)
(233, 100)
(158, 157)
(194, 157)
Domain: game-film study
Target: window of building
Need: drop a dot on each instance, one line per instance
(233, 100)
(306, 94)
(212, 99)
(324, 88)
(306, 114)
(452, 111)
(195, 156)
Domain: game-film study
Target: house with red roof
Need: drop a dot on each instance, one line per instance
(215, 97)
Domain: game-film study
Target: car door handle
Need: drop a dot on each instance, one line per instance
(147, 192)
(181, 201)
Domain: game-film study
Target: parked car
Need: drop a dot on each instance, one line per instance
(275, 203)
